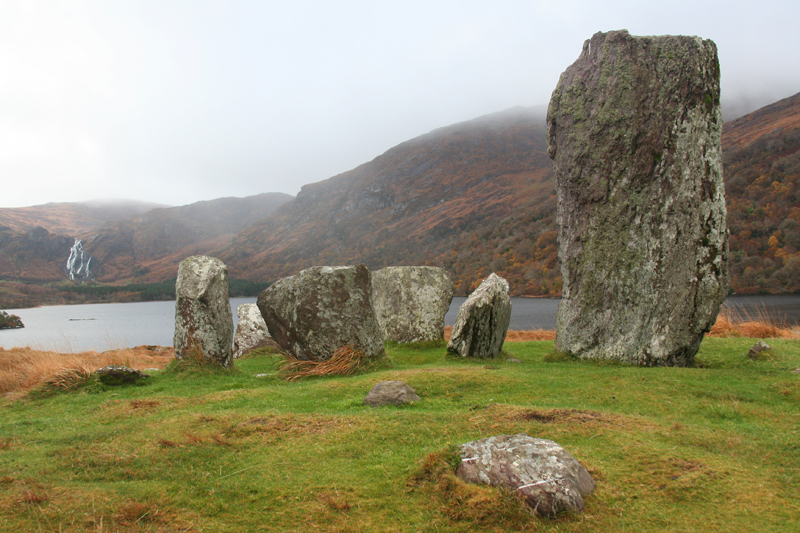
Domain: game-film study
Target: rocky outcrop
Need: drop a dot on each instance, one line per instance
(251, 331)
(410, 302)
(634, 134)
(482, 321)
(390, 393)
(203, 320)
(322, 309)
(544, 474)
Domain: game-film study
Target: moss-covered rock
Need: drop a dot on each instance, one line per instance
(203, 320)
(634, 130)
(314, 313)
(411, 302)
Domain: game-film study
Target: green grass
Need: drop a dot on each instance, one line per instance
(711, 448)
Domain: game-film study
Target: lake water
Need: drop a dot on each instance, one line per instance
(76, 328)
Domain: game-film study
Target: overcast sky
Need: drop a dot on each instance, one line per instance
(178, 101)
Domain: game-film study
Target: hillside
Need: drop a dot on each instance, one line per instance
(71, 218)
(479, 197)
(149, 247)
(474, 197)
(145, 247)
(761, 154)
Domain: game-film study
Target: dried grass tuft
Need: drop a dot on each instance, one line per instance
(344, 362)
(23, 369)
(737, 322)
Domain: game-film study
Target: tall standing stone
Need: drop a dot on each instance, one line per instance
(482, 321)
(203, 320)
(634, 130)
(314, 313)
(411, 302)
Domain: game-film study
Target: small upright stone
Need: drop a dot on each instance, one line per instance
(482, 321)
(203, 320)
(634, 130)
(251, 331)
(314, 313)
(410, 302)
(757, 348)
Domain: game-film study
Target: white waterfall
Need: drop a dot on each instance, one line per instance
(78, 262)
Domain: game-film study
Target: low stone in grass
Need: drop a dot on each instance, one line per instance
(119, 375)
(757, 348)
(548, 478)
(482, 321)
(391, 393)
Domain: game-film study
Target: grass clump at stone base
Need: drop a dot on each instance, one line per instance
(709, 448)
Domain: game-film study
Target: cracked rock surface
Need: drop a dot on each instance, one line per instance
(203, 319)
(634, 130)
(482, 321)
(542, 472)
(411, 302)
(314, 313)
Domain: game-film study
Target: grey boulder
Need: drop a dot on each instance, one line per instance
(251, 331)
(634, 129)
(482, 322)
(390, 393)
(410, 302)
(203, 320)
(321, 309)
(548, 477)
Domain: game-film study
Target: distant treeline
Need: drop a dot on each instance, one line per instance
(17, 295)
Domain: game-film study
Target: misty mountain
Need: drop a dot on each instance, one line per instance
(150, 246)
(475, 197)
(71, 218)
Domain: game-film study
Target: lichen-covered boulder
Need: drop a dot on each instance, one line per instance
(548, 477)
(482, 320)
(251, 331)
(410, 302)
(634, 134)
(203, 320)
(390, 393)
(321, 309)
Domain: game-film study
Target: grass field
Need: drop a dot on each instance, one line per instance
(709, 448)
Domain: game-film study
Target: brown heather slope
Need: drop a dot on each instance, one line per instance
(462, 196)
(761, 155)
(479, 197)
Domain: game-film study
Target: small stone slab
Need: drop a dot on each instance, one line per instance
(391, 393)
(119, 375)
(757, 348)
(548, 478)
